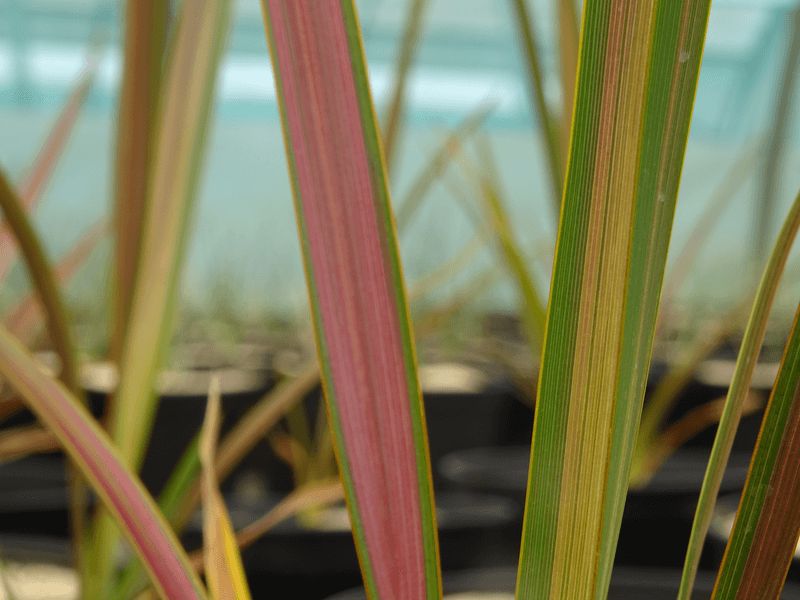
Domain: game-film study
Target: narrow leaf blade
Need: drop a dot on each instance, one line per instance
(677, 41)
(94, 453)
(44, 281)
(549, 131)
(394, 112)
(224, 570)
(635, 93)
(184, 114)
(767, 526)
(356, 288)
(24, 320)
(137, 131)
(44, 164)
(737, 393)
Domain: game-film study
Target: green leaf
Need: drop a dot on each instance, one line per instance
(185, 113)
(179, 150)
(533, 311)
(35, 182)
(45, 283)
(357, 294)
(408, 48)
(437, 164)
(737, 393)
(25, 319)
(767, 527)
(186, 98)
(637, 77)
(549, 127)
(137, 131)
(44, 280)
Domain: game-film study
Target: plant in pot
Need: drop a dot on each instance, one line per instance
(571, 522)
(152, 212)
(673, 411)
(636, 81)
(163, 119)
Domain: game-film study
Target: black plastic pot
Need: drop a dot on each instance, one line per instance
(461, 419)
(180, 414)
(33, 496)
(27, 548)
(291, 559)
(33, 490)
(711, 381)
(626, 584)
(663, 510)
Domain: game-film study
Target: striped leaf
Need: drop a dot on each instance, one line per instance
(90, 448)
(185, 102)
(357, 295)
(767, 526)
(636, 81)
(137, 127)
(185, 112)
(737, 394)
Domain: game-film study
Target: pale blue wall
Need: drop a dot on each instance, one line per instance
(245, 228)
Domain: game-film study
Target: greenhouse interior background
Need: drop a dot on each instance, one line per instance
(244, 239)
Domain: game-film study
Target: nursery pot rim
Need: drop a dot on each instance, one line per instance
(103, 377)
